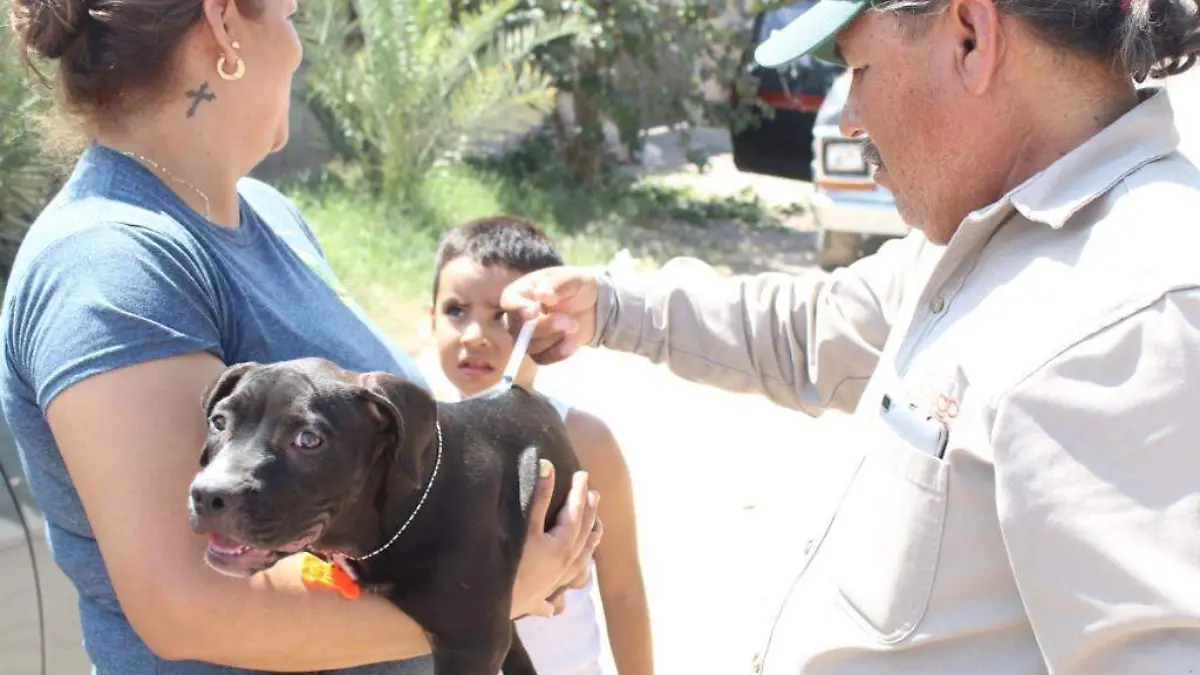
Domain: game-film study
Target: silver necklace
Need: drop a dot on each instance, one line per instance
(421, 502)
(168, 174)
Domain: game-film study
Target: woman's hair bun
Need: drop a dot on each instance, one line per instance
(1158, 38)
(49, 28)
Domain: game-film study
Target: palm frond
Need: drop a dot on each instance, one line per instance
(424, 84)
(27, 178)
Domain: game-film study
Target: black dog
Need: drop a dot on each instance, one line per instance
(429, 502)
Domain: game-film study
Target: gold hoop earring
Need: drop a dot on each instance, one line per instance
(238, 71)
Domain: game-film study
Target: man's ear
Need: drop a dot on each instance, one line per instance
(225, 383)
(409, 414)
(979, 40)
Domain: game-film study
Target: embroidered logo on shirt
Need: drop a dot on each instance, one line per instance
(940, 390)
(946, 408)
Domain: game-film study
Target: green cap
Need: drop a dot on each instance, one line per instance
(814, 32)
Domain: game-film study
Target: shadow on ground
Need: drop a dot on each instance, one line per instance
(729, 246)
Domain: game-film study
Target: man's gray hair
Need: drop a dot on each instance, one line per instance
(1143, 38)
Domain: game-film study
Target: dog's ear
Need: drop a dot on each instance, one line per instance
(225, 383)
(408, 412)
(220, 388)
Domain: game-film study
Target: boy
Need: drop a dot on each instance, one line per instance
(474, 264)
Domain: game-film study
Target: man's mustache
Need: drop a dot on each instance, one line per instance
(871, 154)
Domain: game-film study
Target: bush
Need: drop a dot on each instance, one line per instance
(643, 63)
(27, 177)
(403, 86)
(384, 249)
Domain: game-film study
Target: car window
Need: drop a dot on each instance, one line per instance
(775, 19)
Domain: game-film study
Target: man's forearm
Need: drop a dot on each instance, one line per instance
(746, 334)
(274, 623)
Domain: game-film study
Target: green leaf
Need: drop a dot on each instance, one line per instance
(27, 177)
(423, 84)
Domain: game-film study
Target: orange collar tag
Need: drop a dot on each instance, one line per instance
(316, 573)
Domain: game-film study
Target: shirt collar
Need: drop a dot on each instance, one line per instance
(1142, 135)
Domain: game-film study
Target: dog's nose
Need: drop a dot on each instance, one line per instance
(210, 501)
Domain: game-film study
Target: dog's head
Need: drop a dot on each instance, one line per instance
(301, 454)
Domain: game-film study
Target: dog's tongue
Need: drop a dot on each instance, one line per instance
(223, 544)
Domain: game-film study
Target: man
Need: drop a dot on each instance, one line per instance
(1024, 367)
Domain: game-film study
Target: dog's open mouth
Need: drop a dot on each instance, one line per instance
(237, 558)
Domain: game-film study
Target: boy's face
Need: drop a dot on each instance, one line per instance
(472, 340)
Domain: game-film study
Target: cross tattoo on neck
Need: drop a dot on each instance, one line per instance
(198, 96)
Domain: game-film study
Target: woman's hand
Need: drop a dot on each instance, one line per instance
(563, 302)
(558, 558)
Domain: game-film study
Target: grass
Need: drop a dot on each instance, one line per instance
(383, 252)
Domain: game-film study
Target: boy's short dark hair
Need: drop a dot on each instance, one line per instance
(508, 241)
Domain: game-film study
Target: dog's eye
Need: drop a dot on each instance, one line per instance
(307, 440)
(217, 422)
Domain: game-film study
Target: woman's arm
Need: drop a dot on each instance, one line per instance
(618, 569)
(131, 440)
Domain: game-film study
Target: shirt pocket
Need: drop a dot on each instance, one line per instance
(887, 535)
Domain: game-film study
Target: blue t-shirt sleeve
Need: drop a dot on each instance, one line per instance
(108, 297)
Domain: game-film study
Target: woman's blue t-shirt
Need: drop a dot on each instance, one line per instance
(118, 270)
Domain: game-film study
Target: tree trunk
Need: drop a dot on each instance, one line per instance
(581, 138)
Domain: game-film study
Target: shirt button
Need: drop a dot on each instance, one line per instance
(937, 305)
(757, 663)
(808, 546)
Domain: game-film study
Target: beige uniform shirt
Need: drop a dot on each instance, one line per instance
(1057, 337)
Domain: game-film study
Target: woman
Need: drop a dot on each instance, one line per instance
(155, 266)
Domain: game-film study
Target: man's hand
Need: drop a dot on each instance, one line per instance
(562, 300)
(558, 558)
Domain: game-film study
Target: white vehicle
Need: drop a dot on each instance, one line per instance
(855, 216)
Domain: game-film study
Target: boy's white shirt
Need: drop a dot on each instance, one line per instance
(444, 390)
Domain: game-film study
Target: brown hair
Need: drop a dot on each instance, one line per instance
(503, 240)
(1141, 38)
(108, 52)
